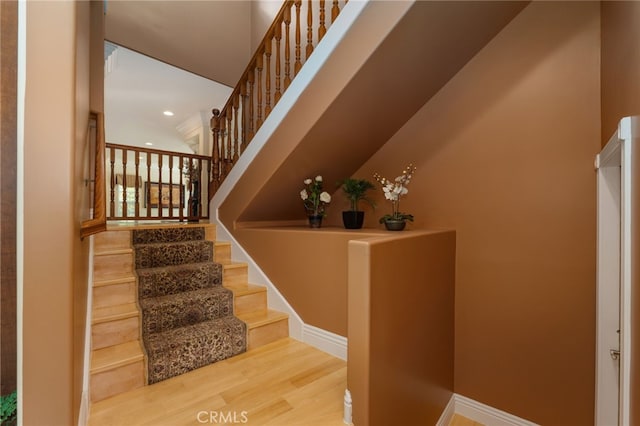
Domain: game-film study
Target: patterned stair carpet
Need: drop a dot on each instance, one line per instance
(187, 316)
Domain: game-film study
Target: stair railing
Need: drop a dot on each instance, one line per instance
(276, 62)
(95, 147)
(150, 184)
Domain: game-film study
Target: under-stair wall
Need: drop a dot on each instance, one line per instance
(348, 81)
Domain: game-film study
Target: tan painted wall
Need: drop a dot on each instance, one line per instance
(505, 157)
(55, 275)
(401, 327)
(96, 64)
(208, 38)
(620, 67)
(620, 63)
(379, 60)
(309, 267)
(89, 94)
(262, 14)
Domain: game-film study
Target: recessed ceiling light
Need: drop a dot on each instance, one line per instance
(168, 113)
(148, 143)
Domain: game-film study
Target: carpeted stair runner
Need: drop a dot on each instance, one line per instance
(187, 316)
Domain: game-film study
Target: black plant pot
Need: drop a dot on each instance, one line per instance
(315, 220)
(352, 219)
(394, 224)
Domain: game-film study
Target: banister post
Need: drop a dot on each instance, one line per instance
(244, 116)
(215, 154)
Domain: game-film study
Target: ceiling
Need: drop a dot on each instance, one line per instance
(211, 38)
(138, 89)
(214, 39)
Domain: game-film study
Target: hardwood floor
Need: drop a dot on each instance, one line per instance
(459, 420)
(283, 383)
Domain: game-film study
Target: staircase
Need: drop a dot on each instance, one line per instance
(118, 361)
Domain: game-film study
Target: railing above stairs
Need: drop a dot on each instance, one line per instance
(266, 78)
(148, 184)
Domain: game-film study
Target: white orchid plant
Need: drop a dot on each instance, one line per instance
(394, 190)
(313, 197)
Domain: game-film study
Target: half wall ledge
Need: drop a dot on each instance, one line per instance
(401, 289)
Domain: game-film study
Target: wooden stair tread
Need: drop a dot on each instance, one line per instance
(234, 265)
(260, 318)
(115, 356)
(114, 281)
(157, 225)
(111, 313)
(242, 289)
(113, 251)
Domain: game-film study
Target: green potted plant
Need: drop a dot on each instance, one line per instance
(355, 190)
(8, 408)
(393, 191)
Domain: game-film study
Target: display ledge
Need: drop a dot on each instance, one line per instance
(302, 226)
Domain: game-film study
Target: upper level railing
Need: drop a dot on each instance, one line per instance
(272, 68)
(151, 184)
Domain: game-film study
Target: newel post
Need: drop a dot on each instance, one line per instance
(215, 154)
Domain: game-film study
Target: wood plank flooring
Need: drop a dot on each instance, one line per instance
(459, 420)
(283, 383)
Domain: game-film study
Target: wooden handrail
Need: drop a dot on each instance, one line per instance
(99, 221)
(157, 151)
(252, 100)
(251, 65)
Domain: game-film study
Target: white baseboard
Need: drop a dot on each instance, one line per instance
(275, 299)
(447, 414)
(83, 416)
(479, 412)
(482, 413)
(326, 341)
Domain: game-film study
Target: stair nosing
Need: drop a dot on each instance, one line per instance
(271, 317)
(197, 290)
(99, 319)
(114, 281)
(251, 289)
(130, 359)
(234, 265)
(171, 242)
(176, 266)
(113, 251)
(152, 226)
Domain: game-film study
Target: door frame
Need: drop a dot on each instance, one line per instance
(614, 258)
